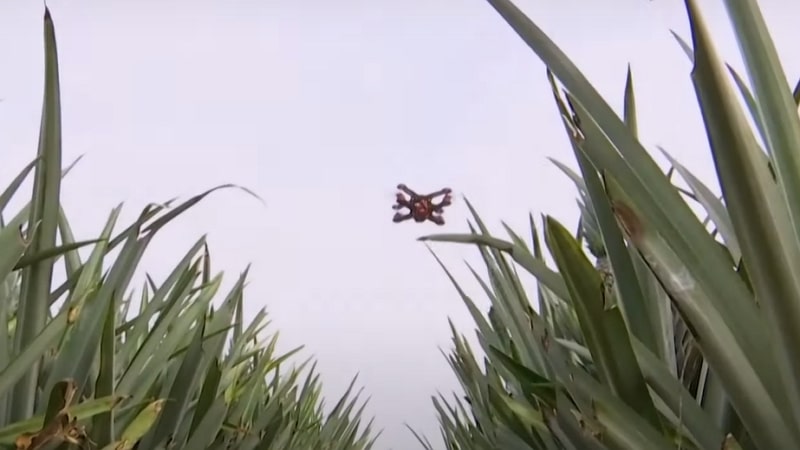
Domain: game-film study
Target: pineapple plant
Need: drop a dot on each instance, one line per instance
(92, 363)
(675, 330)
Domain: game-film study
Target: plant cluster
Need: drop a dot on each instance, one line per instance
(677, 330)
(88, 364)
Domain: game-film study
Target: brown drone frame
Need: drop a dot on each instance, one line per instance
(421, 207)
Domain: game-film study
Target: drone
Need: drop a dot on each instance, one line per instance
(421, 207)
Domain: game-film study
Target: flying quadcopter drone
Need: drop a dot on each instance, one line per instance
(421, 207)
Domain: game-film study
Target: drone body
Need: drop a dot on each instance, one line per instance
(421, 207)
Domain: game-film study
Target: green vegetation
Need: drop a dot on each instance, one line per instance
(84, 364)
(684, 331)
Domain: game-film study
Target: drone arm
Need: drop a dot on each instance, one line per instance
(399, 217)
(408, 191)
(437, 219)
(445, 191)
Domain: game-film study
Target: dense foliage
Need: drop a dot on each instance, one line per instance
(676, 330)
(88, 364)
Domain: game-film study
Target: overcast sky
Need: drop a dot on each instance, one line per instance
(322, 107)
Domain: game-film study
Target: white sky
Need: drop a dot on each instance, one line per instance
(322, 107)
